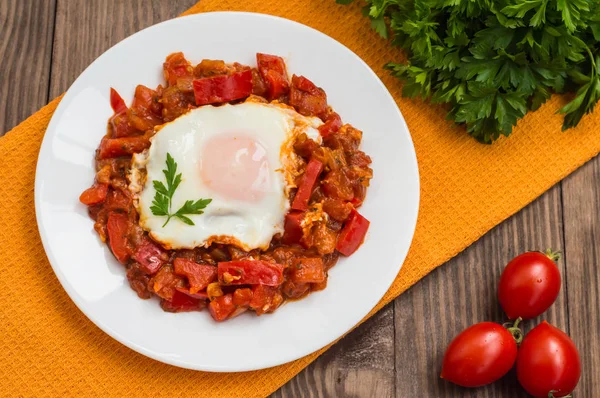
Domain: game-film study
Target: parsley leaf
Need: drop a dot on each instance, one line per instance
(161, 205)
(491, 62)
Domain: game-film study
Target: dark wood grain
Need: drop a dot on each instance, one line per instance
(87, 28)
(581, 203)
(399, 351)
(26, 29)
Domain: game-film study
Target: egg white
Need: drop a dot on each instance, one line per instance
(246, 224)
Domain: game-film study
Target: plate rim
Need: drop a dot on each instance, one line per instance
(81, 305)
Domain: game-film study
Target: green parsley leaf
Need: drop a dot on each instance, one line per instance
(491, 62)
(161, 205)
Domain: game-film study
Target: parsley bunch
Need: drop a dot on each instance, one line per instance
(493, 61)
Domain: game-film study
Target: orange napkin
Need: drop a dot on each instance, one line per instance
(49, 348)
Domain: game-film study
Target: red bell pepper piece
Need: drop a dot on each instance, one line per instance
(332, 125)
(223, 88)
(307, 98)
(116, 102)
(150, 257)
(250, 272)
(313, 169)
(117, 227)
(353, 234)
(199, 275)
(198, 295)
(273, 71)
(308, 270)
(293, 227)
(221, 307)
(181, 302)
(115, 147)
(94, 195)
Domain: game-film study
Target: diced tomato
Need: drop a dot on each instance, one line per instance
(117, 226)
(222, 307)
(176, 67)
(313, 169)
(308, 270)
(165, 282)
(115, 147)
(353, 234)
(293, 227)
(332, 125)
(198, 295)
(307, 98)
(250, 272)
(337, 185)
(121, 126)
(150, 256)
(116, 102)
(94, 195)
(242, 297)
(181, 302)
(273, 71)
(199, 275)
(265, 299)
(337, 209)
(117, 200)
(293, 290)
(356, 202)
(146, 99)
(223, 88)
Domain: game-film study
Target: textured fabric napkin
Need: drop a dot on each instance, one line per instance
(49, 348)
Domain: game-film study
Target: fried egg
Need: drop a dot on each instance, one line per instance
(240, 156)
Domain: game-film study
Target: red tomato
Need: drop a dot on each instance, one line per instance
(313, 169)
(332, 124)
(199, 275)
(223, 88)
(250, 272)
(307, 98)
(353, 234)
(182, 302)
(115, 147)
(479, 355)
(308, 270)
(273, 71)
(118, 227)
(529, 285)
(222, 307)
(548, 361)
(150, 256)
(94, 195)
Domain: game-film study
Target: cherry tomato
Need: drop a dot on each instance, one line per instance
(479, 355)
(529, 285)
(548, 361)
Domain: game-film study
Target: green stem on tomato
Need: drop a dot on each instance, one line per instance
(553, 255)
(516, 332)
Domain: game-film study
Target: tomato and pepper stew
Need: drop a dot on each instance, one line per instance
(229, 186)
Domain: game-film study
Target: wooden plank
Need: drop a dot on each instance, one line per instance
(581, 202)
(462, 293)
(87, 28)
(26, 29)
(360, 365)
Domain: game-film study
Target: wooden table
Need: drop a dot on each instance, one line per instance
(46, 44)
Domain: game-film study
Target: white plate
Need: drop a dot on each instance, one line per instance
(96, 281)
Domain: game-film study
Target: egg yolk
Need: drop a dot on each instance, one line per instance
(235, 166)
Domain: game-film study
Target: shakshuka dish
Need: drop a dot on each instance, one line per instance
(229, 186)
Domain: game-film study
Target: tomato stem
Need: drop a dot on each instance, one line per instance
(551, 394)
(553, 255)
(516, 332)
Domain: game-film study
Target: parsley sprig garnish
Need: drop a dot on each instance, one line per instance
(161, 205)
(491, 62)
